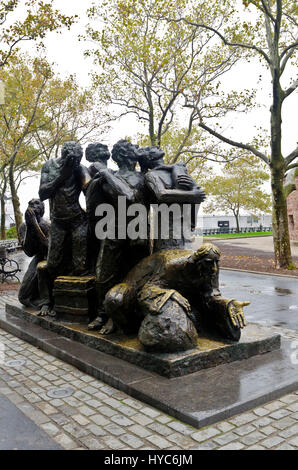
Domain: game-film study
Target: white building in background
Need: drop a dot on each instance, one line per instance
(212, 222)
(9, 213)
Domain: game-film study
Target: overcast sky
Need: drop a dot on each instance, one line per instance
(68, 53)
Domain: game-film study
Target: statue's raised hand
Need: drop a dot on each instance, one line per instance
(184, 182)
(30, 216)
(236, 314)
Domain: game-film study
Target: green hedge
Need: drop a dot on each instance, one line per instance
(11, 233)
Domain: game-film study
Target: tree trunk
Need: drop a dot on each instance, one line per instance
(3, 218)
(237, 221)
(15, 200)
(281, 238)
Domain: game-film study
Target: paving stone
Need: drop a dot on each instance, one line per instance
(272, 442)
(159, 442)
(289, 398)
(252, 438)
(106, 411)
(293, 407)
(68, 410)
(225, 427)
(160, 429)
(132, 441)
(150, 412)
(210, 445)
(184, 442)
(133, 403)
(285, 446)
(140, 431)
(92, 443)
(114, 429)
(268, 430)
(205, 434)
(112, 443)
(121, 420)
(232, 446)
(50, 429)
(255, 447)
(126, 410)
(56, 402)
(180, 427)
(75, 430)
(294, 441)
(65, 441)
(261, 411)
(94, 403)
(111, 402)
(39, 418)
(99, 420)
(289, 432)
(85, 410)
(81, 420)
(96, 430)
(61, 419)
(242, 419)
(141, 419)
(284, 423)
(273, 406)
(265, 421)
(244, 430)
(163, 419)
(279, 414)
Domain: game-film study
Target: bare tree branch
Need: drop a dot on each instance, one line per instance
(235, 143)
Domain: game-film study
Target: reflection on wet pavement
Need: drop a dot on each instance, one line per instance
(273, 299)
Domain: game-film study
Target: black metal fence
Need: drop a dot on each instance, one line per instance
(10, 245)
(218, 231)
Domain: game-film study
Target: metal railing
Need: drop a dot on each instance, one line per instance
(10, 245)
(218, 231)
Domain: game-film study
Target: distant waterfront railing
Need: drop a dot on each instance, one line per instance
(218, 231)
(10, 245)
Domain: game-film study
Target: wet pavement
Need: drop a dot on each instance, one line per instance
(18, 432)
(256, 244)
(274, 299)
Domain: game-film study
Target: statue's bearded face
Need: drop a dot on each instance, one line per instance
(207, 266)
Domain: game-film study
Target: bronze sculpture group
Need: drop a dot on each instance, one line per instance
(157, 289)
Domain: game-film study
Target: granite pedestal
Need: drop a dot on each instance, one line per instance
(200, 398)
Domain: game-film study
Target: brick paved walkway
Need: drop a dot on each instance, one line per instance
(97, 416)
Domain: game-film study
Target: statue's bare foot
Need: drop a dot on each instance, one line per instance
(45, 311)
(108, 328)
(97, 324)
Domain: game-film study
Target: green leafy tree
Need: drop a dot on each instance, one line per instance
(40, 112)
(239, 188)
(150, 67)
(17, 26)
(264, 30)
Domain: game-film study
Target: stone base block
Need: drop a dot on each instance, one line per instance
(74, 298)
(210, 352)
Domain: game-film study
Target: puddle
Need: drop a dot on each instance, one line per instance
(281, 291)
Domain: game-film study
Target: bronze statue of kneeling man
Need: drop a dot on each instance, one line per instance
(170, 297)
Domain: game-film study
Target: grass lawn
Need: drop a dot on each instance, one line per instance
(239, 235)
